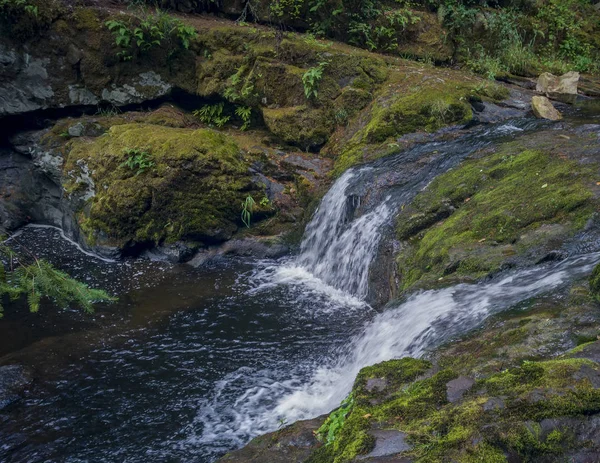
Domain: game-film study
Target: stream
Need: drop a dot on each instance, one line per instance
(191, 363)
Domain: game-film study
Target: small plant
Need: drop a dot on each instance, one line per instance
(311, 80)
(265, 202)
(247, 208)
(334, 422)
(108, 111)
(212, 115)
(341, 116)
(137, 159)
(245, 114)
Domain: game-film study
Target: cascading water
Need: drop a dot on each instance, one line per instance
(343, 237)
(258, 344)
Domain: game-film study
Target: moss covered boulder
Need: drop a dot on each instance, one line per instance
(152, 184)
(414, 98)
(503, 206)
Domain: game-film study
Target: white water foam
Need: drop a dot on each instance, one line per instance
(337, 249)
(423, 321)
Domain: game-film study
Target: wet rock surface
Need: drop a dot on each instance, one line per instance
(387, 443)
(292, 444)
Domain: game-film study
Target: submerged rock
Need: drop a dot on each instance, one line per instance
(562, 88)
(13, 380)
(543, 109)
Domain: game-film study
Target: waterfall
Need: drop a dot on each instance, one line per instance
(342, 238)
(337, 249)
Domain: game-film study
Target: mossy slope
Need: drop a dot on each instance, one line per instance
(517, 200)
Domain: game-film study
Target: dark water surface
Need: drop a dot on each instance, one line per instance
(152, 377)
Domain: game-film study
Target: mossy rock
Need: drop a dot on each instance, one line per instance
(413, 99)
(498, 418)
(471, 220)
(192, 189)
(302, 126)
(595, 283)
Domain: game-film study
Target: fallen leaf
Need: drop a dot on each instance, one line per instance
(565, 137)
(467, 200)
(544, 185)
(482, 240)
(368, 415)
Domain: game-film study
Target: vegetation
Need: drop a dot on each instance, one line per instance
(311, 79)
(595, 283)
(39, 280)
(471, 219)
(212, 115)
(26, 6)
(247, 208)
(141, 33)
(138, 160)
(193, 190)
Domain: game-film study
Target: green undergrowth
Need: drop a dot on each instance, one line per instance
(470, 220)
(155, 184)
(498, 417)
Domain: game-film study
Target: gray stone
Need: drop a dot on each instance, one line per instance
(562, 88)
(387, 442)
(586, 372)
(24, 85)
(76, 130)
(494, 403)
(543, 109)
(456, 388)
(149, 85)
(490, 113)
(82, 96)
(74, 55)
(376, 384)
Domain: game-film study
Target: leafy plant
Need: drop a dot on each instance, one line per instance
(152, 31)
(23, 5)
(138, 160)
(311, 80)
(265, 202)
(40, 280)
(212, 115)
(247, 208)
(334, 422)
(245, 114)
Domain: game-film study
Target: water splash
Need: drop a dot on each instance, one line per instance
(410, 328)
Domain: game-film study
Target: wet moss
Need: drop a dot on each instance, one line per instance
(468, 431)
(470, 220)
(414, 100)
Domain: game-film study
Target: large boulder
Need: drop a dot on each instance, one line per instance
(543, 109)
(562, 88)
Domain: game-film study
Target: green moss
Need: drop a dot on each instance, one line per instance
(595, 283)
(299, 125)
(193, 190)
(471, 219)
(416, 100)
